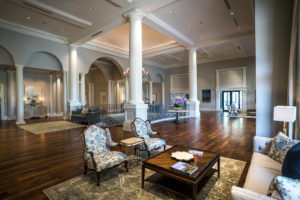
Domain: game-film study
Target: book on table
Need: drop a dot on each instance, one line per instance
(184, 167)
(196, 152)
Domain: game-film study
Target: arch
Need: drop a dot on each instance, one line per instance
(44, 60)
(160, 77)
(107, 70)
(102, 70)
(6, 57)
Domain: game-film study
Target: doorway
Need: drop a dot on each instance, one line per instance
(229, 98)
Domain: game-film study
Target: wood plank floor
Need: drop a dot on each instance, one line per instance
(30, 163)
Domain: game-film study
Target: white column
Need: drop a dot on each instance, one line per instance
(58, 94)
(150, 92)
(20, 94)
(109, 96)
(65, 95)
(118, 92)
(73, 80)
(135, 57)
(193, 101)
(50, 95)
(163, 93)
(82, 88)
(135, 107)
(10, 95)
(126, 90)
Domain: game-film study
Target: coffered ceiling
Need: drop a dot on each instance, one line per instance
(222, 29)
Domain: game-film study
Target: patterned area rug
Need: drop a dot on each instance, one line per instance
(47, 127)
(118, 184)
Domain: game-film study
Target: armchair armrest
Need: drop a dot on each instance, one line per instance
(261, 144)
(92, 157)
(238, 193)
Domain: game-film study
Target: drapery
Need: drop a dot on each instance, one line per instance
(294, 71)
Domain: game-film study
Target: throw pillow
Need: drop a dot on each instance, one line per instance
(84, 111)
(291, 164)
(280, 146)
(289, 189)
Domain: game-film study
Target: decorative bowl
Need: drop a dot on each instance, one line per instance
(182, 155)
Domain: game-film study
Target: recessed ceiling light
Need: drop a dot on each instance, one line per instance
(29, 18)
(239, 28)
(189, 26)
(231, 13)
(170, 12)
(148, 9)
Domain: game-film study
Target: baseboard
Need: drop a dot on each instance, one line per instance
(209, 109)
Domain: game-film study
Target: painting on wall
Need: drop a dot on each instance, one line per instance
(206, 95)
(33, 94)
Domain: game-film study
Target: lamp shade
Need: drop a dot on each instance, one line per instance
(284, 113)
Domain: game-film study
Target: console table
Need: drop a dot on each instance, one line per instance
(31, 111)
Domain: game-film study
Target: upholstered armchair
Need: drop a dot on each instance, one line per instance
(97, 154)
(143, 129)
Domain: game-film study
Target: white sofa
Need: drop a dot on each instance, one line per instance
(261, 172)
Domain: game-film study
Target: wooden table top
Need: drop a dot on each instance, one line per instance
(163, 162)
(178, 111)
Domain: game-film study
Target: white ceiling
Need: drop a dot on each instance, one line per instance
(169, 26)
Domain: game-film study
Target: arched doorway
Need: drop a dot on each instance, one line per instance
(43, 85)
(105, 84)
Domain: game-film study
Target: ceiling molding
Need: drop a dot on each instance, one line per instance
(32, 32)
(170, 50)
(164, 28)
(105, 49)
(224, 39)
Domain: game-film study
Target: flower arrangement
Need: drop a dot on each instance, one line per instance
(178, 103)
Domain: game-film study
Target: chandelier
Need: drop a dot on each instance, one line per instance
(145, 73)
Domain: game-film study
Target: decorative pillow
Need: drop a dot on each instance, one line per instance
(84, 111)
(289, 189)
(291, 164)
(280, 146)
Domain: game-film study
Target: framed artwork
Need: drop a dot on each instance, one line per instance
(33, 94)
(206, 95)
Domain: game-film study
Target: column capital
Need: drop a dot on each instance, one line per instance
(83, 73)
(19, 66)
(134, 14)
(192, 48)
(73, 45)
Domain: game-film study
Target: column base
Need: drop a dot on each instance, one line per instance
(133, 111)
(20, 122)
(72, 105)
(194, 108)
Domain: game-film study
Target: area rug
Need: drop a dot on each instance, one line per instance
(118, 184)
(47, 127)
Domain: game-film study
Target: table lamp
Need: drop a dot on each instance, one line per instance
(284, 114)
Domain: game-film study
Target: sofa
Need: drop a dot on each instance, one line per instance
(91, 117)
(261, 172)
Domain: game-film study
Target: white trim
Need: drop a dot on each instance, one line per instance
(171, 85)
(244, 85)
(210, 109)
(32, 32)
(105, 49)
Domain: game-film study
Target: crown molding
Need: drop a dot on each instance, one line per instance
(96, 46)
(32, 32)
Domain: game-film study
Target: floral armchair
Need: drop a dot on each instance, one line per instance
(97, 154)
(143, 130)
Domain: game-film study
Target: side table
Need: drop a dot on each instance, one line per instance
(133, 142)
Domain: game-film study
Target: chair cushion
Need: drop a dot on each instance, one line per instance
(291, 164)
(109, 140)
(288, 188)
(280, 146)
(106, 160)
(154, 143)
(95, 140)
(261, 172)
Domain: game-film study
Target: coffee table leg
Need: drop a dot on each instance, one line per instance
(143, 176)
(219, 168)
(195, 191)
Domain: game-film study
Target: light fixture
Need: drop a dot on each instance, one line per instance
(231, 13)
(239, 28)
(28, 18)
(284, 114)
(145, 73)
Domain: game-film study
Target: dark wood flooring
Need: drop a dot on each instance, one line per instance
(30, 163)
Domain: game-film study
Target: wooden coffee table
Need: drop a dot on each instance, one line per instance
(178, 182)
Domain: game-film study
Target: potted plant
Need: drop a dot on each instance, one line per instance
(178, 103)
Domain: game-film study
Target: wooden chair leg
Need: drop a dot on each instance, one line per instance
(126, 165)
(98, 178)
(165, 147)
(85, 169)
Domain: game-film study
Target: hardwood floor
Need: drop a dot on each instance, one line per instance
(30, 163)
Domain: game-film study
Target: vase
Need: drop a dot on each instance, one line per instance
(177, 108)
